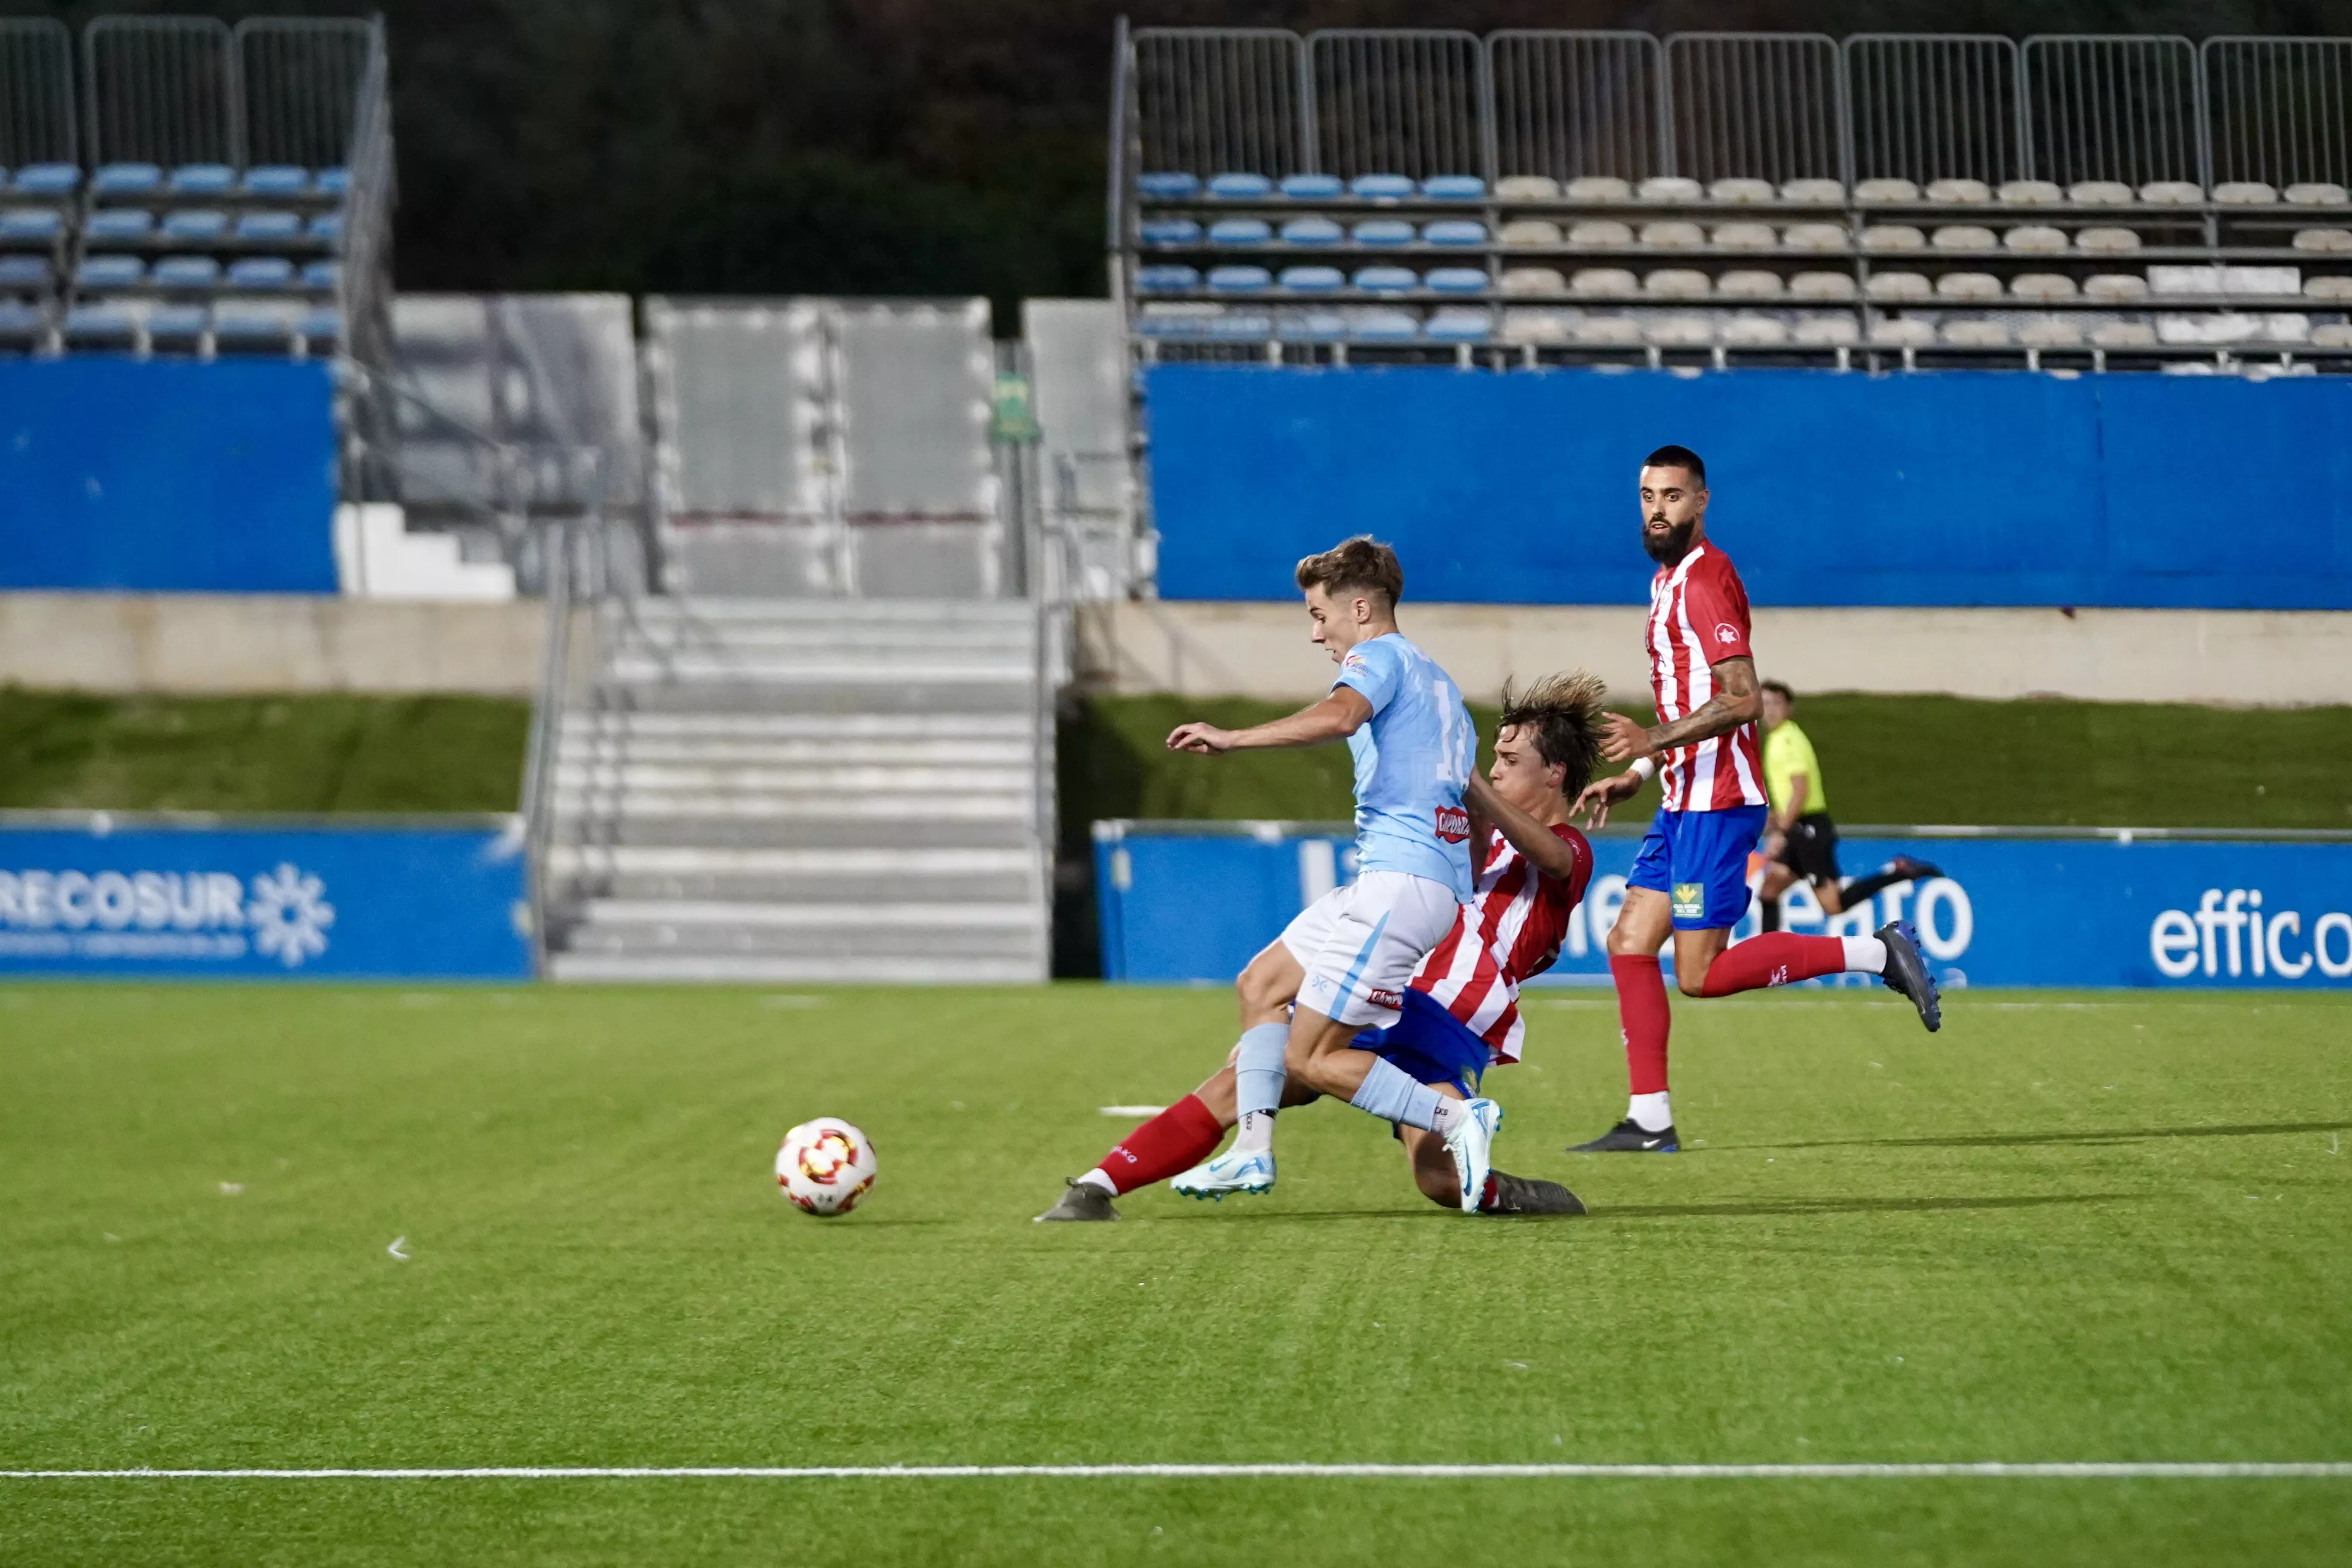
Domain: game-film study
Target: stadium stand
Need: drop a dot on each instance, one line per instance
(1888, 201)
(194, 189)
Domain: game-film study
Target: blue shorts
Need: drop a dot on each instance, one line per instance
(1699, 861)
(1429, 1045)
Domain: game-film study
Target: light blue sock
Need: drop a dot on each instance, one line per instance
(1257, 1068)
(1390, 1093)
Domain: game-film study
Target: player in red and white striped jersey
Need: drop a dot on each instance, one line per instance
(1690, 878)
(1459, 1013)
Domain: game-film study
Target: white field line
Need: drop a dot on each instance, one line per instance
(2128, 1470)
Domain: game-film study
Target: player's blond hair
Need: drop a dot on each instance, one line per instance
(1358, 565)
(1562, 714)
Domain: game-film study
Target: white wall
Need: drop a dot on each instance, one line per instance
(2250, 657)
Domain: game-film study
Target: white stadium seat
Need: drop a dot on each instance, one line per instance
(2099, 193)
(2050, 332)
(1528, 326)
(1672, 234)
(2245, 194)
(1754, 331)
(1968, 286)
(1899, 286)
(2030, 193)
(1669, 188)
(1745, 237)
(1821, 285)
(1965, 237)
(1681, 331)
(1612, 281)
(2329, 239)
(1828, 331)
(1876, 192)
(2327, 289)
(2172, 194)
(2317, 193)
(1600, 233)
(1607, 331)
(1598, 188)
(1749, 284)
(1893, 236)
(1741, 190)
(2123, 335)
(1978, 334)
(2043, 286)
(1902, 333)
(1537, 280)
(1527, 188)
(1821, 237)
(1958, 192)
(1816, 192)
(1675, 283)
(2107, 241)
(2035, 238)
(2115, 286)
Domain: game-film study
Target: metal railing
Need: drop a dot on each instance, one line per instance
(2132, 109)
(301, 81)
(37, 93)
(162, 89)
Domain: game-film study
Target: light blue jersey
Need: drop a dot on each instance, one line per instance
(1411, 760)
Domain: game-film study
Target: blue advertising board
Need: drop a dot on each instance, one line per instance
(1945, 488)
(89, 895)
(1192, 901)
(167, 476)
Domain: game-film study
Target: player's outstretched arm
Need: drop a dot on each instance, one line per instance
(1547, 851)
(1335, 718)
(1594, 800)
(1738, 700)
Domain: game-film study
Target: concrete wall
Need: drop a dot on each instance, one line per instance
(267, 642)
(2253, 658)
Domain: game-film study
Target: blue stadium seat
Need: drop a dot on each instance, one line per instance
(332, 182)
(248, 328)
(46, 180)
(186, 272)
(1383, 231)
(1387, 280)
(203, 180)
(320, 328)
(1172, 326)
(1167, 279)
(118, 224)
(1241, 187)
(1311, 327)
(1382, 187)
(1167, 185)
(276, 180)
(25, 273)
(110, 272)
(177, 321)
(1458, 324)
(28, 225)
(1384, 326)
(271, 228)
(1313, 279)
(1238, 324)
(107, 324)
(1239, 279)
(127, 180)
(197, 226)
(1454, 187)
(1457, 279)
(1312, 187)
(1153, 230)
(328, 228)
(20, 322)
(1312, 231)
(1455, 231)
(261, 272)
(1240, 231)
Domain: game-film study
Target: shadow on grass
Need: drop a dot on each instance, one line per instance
(1771, 1207)
(2019, 1139)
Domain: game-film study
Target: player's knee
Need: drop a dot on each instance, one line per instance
(1690, 985)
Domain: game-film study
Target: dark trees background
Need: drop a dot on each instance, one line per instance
(892, 146)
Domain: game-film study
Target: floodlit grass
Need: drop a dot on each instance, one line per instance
(1888, 759)
(297, 754)
(2069, 1227)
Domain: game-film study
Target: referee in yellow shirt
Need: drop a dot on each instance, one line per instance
(1799, 839)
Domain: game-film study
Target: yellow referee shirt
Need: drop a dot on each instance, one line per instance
(1787, 751)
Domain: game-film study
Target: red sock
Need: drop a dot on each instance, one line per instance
(1774, 958)
(1643, 1017)
(1176, 1139)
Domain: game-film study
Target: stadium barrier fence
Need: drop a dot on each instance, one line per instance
(1189, 903)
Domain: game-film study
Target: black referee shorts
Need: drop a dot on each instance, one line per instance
(1810, 848)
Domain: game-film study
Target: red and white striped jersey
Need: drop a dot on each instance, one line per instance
(1698, 617)
(1510, 928)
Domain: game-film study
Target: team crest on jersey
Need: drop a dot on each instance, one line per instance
(1452, 823)
(1726, 634)
(1690, 901)
(1391, 1000)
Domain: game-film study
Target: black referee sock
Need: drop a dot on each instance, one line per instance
(1768, 912)
(1861, 888)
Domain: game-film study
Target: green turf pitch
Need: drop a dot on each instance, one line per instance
(2089, 1228)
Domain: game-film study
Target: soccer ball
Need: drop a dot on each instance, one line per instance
(824, 1166)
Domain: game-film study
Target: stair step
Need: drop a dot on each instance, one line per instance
(774, 970)
(877, 864)
(965, 806)
(728, 914)
(998, 696)
(670, 607)
(633, 779)
(812, 727)
(729, 835)
(586, 749)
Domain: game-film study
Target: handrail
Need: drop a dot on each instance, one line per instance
(541, 762)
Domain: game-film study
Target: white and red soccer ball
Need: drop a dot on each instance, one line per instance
(824, 1166)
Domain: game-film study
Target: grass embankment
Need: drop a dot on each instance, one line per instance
(1898, 760)
(307, 753)
(2066, 1228)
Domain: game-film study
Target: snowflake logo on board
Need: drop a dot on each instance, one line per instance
(288, 916)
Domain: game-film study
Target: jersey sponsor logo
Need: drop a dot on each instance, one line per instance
(1452, 823)
(1726, 633)
(1388, 999)
(1689, 901)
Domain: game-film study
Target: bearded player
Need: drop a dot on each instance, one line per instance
(1460, 1013)
(1690, 878)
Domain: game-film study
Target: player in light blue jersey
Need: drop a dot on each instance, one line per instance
(1347, 959)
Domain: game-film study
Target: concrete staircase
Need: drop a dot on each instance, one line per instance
(802, 790)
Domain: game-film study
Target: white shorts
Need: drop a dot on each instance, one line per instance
(1361, 944)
